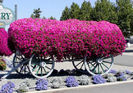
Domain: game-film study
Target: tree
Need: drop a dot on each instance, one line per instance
(125, 15)
(65, 14)
(53, 18)
(104, 10)
(74, 11)
(1, 1)
(43, 17)
(85, 11)
(131, 25)
(36, 13)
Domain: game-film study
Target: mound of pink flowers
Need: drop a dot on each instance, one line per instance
(4, 50)
(62, 39)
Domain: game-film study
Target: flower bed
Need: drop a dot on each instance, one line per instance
(67, 81)
(66, 38)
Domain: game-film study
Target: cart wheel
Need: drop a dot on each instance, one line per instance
(23, 69)
(41, 67)
(79, 65)
(100, 65)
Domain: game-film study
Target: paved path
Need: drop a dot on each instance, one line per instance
(126, 59)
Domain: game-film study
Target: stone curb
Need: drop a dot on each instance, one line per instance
(115, 87)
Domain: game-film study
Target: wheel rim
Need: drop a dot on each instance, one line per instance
(100, 65)
(40, 67)
(79, 65)
(24, 68)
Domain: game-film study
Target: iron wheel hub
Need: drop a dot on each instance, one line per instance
(99, 60)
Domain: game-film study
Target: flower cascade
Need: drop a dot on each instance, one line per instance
(4, 49)
(62, 39)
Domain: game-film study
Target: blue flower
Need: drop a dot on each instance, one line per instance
(98, 79)
(71, 82)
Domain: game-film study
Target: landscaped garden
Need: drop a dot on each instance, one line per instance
(39, 43)
(39, 49)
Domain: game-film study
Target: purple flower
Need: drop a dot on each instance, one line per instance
(122, 77)
(71, 82)
(7, 88)
(12, 85)
(98, 79)
(113, 71)
(41, 84)
(128, 72)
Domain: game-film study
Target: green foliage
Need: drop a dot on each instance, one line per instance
(53, 18)
(74, 11)
(36, 13)
(85, 11)
(131, 25)
(104, 10)
(1, 1)
(2, 65)
(43, 17)
(65, 14)
(125, 16)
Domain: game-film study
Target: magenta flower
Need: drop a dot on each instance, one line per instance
(66, 38)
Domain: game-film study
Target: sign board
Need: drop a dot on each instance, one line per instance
(6, 16)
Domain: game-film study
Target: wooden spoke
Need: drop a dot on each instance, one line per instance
(105, 65)
(38, 70)
(79, 63)
(107, 62)
(41, 65)
(99, 65)
(102, 67)
(47, 67)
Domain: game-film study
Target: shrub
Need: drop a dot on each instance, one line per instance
(98, 79)
(71, 82)
(56, 83)
(41, 84)
(72, 37)
(23, 87)
(122, 76)
(4, 50)
(2, 65)
(84, 80)
(7, 88)
(111, 77)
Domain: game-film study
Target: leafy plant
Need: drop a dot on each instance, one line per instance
(23, 87)
(2, 64)
(56, 83)
(111, 77)
(84, 80)
(71, 82)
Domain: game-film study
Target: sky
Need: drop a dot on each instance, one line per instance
(48, 7)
